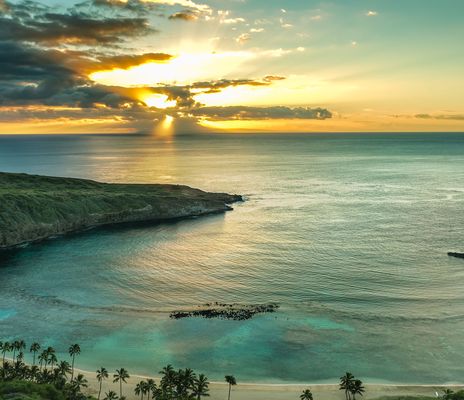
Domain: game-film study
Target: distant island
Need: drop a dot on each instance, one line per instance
(34, 207)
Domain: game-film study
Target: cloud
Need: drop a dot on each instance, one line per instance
(261, 113)
(138, 5)
(214, 86)
(184, 96)
(224, 18)
(47, 56)
(448, 117)
(184, 16)
(134, 6)
(183, 3)
(41, 76)
(284, 24)
(243, 38)
(126, 61)
(271, 78)
(371, 13)
(34, 23)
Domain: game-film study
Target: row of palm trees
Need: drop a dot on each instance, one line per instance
(182, 384)
(48, 370)
(45, 358)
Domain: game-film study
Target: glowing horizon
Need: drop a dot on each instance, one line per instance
(330, 67)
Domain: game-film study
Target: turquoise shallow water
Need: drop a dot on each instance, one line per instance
(348, 233)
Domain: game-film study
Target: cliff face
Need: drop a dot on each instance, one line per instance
(36, 207)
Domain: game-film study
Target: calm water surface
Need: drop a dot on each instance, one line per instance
(348, 233)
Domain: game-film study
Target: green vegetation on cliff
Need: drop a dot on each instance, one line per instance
(36, 207)
(25, 390)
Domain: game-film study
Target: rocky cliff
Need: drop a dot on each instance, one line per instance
(36, 207)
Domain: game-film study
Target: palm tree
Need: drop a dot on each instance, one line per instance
(346, 381)
(357, 388)
(21, 345)
(5, 348)
(167, 381)
(120, 376)
(150, 387)
(73, 350)
(52, 360)
(447, 394)
(78, 382)
(184, 381)
(230, 379)
(20, 356)
(43, 359)
(64, 368)
(16, 346)
(35, 347)
(102, 374)
(33, 372)
(200, 387)
(111, 396)
(140, 389)
(306, 395)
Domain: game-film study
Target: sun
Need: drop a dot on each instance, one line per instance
(157, 100)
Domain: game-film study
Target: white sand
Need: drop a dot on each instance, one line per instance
(249, 391)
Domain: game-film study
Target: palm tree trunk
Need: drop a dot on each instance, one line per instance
(72, 372)
(100, 390)
(120, 388)
(33, 362)
(230, 387)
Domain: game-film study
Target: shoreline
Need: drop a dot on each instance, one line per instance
(277, 391)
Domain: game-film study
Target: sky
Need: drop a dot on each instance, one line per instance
(167, 66)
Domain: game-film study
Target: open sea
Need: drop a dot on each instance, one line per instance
(347, 232)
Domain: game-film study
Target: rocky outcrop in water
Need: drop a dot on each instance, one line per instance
(236, 312)
(36, 207)
(457, 255)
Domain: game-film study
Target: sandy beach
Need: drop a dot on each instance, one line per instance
(251, 391)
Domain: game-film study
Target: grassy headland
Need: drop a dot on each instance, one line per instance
(35, 207)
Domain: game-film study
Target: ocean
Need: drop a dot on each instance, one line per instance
(348, 233)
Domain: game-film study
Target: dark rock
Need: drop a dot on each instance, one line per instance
(226, 311)
(457, 255)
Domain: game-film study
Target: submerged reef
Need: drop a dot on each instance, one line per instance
(235, 312)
